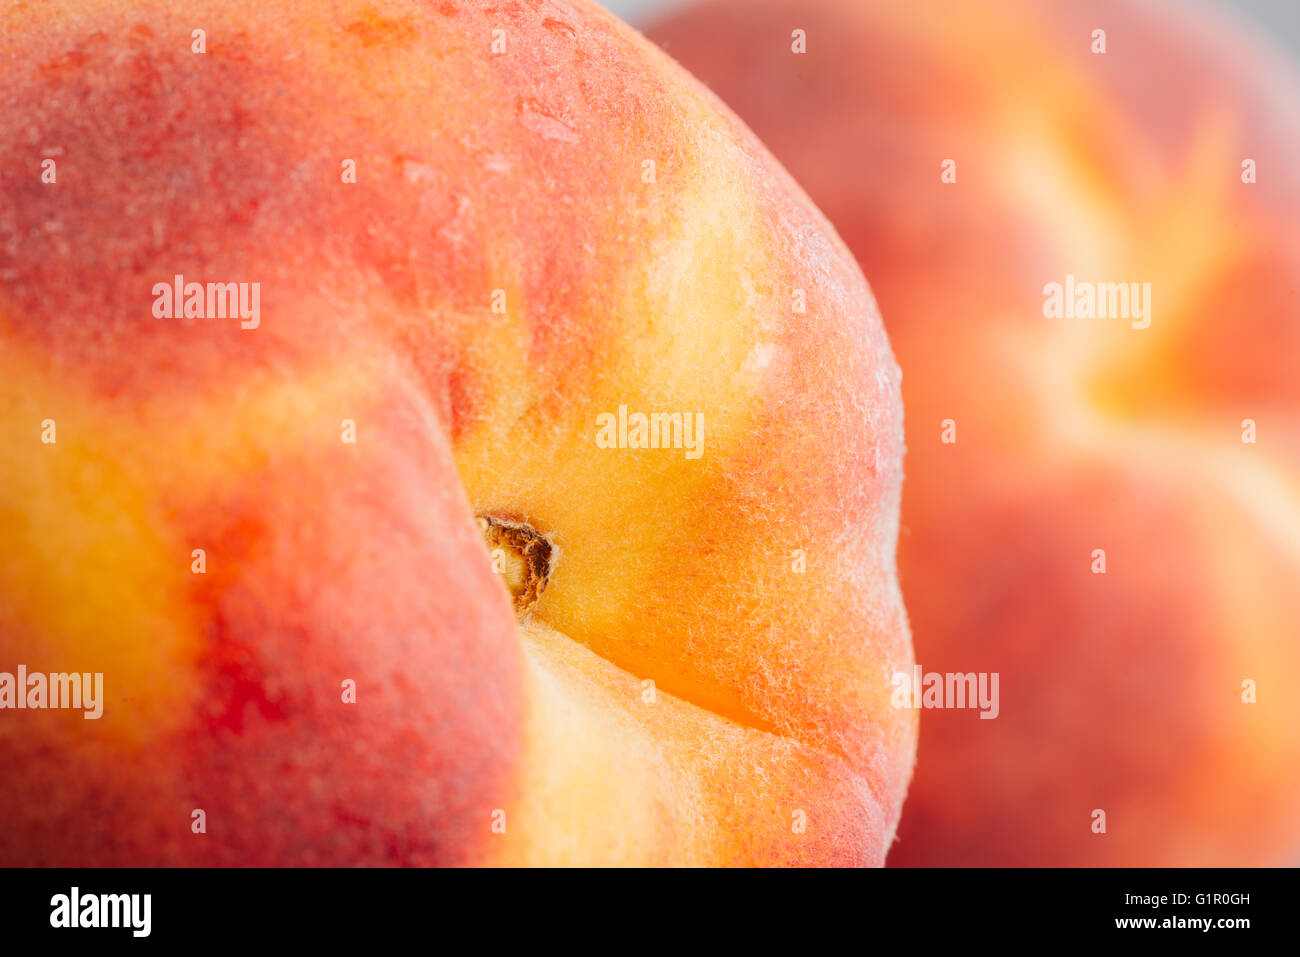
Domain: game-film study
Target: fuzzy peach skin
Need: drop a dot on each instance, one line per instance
(1120, 692)
(705, 678)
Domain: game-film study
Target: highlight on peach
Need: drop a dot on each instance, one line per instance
(472, 434)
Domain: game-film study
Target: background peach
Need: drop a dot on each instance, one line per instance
(1122, 691)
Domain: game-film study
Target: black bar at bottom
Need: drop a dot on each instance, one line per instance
(326, 907)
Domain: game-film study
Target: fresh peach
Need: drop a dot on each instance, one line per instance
(1103, 511)
(374, 568)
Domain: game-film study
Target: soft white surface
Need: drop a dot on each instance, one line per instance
(1278, 18)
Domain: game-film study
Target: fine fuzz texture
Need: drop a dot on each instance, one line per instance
(482, 233)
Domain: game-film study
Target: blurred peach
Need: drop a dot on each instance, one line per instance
(1174, 449)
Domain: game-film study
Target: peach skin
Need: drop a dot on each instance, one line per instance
(452, 438)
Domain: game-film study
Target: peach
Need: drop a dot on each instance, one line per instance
(535, 318)
(972, 155)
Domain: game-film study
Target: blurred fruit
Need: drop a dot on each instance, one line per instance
(1120, 691)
